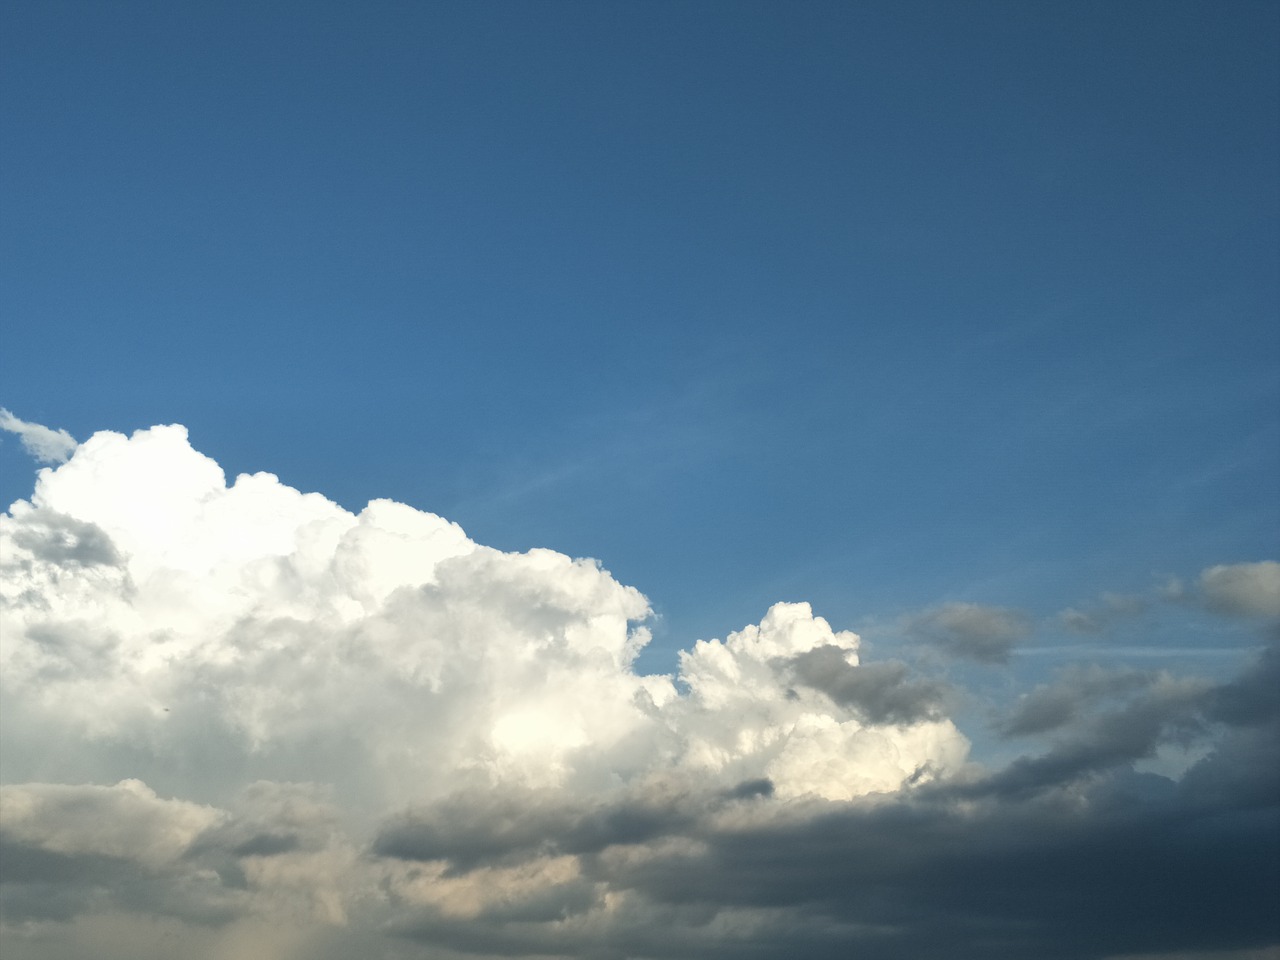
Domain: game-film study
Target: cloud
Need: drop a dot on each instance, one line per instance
(1243, 589)
(996, 878)
(69, 849)
(43, 443)
(240, 721)
(127, 820)
(881, 693)
(1112, 607)
(982, 633)
(75, 849)
(1051, 707)
(1168, 709)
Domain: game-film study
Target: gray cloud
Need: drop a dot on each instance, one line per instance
(1008, 879)
(881, 692)
(1050, 707)
(998, 865)
(982, 633)
(1167, 710)
(1253, 698)
(65, 541)
(473, 830)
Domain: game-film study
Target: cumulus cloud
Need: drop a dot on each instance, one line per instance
(389, 645)
(973, 631)
(43, 443)
(239, 718)
(1243, 589)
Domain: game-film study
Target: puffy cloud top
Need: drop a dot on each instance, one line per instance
(157, 615)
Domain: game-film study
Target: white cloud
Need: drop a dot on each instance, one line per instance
(172, 634)
(163, 625)
(1243, 589)
(243, 719)
(45, 444)
(385, 651)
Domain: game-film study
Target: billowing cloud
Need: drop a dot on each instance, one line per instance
(43, 443)
(289, 631)
(242, 720)
(973, 631)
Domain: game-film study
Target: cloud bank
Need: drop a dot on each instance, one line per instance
(245, 720)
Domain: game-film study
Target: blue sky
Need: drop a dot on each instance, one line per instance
(957, 321)
(874, 305)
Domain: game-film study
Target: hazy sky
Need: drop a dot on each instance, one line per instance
(926, 354)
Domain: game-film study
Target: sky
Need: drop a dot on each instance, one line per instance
(638, 480)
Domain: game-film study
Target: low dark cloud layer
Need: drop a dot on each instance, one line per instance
(1000, 865)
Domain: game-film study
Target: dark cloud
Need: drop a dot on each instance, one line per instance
(999, 866)
(65, 541)
(972, 631)
(1002, 866)
(38, 884)
(1050, 707)
(750, 788)
(880, 692)
(69, 850)
(922, 879)
(1116, 739)
(1254, 697)
(473, 830)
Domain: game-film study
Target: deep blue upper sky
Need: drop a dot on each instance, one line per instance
(875, 304)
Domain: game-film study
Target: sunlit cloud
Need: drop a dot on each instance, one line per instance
(237, 707)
